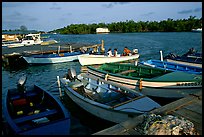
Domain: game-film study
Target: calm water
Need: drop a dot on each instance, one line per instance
(148, 44)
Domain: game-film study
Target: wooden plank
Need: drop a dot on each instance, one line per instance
(115, 130)
(190, 115)
(178, 104)
(125, 72)
(195, 107)
(35, 116)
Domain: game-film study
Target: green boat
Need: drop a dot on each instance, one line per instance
(150, 81)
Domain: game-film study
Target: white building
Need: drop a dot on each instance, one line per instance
(102, 30)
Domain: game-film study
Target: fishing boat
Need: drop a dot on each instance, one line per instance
(104, 99)
(172, 66)
(34, 111)
(152, 82)
(190, 58)
(101, 59)
(51, 58)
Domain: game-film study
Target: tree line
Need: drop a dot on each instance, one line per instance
(128, 26)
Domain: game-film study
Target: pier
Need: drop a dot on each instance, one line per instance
(189, 108)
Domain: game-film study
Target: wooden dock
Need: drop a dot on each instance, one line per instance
(189, 107)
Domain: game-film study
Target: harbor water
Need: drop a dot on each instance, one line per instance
(148, 45)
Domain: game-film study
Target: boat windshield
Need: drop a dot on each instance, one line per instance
(28, 38)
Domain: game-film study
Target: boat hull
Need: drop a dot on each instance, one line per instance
(172, 66)
(117, 113)
(155, 88)
(32, 110)
(185, 63)
(59, 58)
(101, 59)
(100, 112)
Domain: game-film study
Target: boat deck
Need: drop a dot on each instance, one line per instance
(189, 107)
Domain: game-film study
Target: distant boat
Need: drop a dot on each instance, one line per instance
(34, 111)
(197, 30)
(51, 58)
(101, 59)
(150, 81)
(190, 58)
(172, 66)
(107, 100)
(30, 39)
(102, 30)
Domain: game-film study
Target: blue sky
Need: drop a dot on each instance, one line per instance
(47, 16)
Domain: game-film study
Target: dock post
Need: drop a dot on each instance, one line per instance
(59, 87)
(161, 56)
(136, 62)
(70, 48)
(102, 47)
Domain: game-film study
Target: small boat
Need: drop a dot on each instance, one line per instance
(52, 57)
(12, 44)
(30, 39)
(172, 66)
(197, 30)
(190, 58)
(104, 99)
(101, 59)
(152, 82)
(34, 111)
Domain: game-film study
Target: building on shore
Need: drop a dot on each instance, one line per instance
(102, 30)
(10, 37)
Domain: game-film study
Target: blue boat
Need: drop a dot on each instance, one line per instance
(51, 58)
(34, 111)
(172, 66)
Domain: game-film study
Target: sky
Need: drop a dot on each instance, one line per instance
(48, 16)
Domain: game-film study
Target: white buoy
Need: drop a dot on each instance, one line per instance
(58, 81)
(161, 55)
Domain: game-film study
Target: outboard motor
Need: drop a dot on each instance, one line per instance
(135, 51)
(170, 56)
(71, 74)
(21, 84)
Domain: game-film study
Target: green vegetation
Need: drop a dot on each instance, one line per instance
(169, 25)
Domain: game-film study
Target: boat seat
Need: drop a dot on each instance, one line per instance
(126, 71)
(31, 94)
(35, 116)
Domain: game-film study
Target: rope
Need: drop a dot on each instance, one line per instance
(52, 85)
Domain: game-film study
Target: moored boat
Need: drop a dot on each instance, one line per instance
(34, 111)
(190, 58)
(53, 57)
(172, 66)
(106, 100)
(150, 81)
(101, 59)
(197, 30)
(30, 39)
